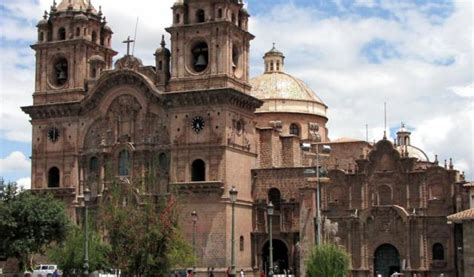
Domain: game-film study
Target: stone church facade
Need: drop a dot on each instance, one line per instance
(198, 125)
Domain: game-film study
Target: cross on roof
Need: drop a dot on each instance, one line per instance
(128, 41)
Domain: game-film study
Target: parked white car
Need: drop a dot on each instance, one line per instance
(44, 270)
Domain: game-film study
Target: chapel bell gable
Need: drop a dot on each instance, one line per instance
(209, 45)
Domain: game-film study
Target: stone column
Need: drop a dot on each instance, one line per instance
(307, 228)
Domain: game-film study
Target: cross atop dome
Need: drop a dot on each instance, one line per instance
(274, 60)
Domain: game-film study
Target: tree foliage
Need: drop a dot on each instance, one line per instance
(143, 232)
(69, 255)
(328, 260)
(29, 222)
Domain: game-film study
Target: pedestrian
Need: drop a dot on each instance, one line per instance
(211, 274)
(55, 273)
(242, 273)
(262, 273)
(228, 272)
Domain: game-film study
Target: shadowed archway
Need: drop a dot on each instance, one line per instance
(386, 260)
(280, 256)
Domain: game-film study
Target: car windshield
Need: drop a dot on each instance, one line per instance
(44, 267)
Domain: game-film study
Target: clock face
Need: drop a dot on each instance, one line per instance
(53, 134)
(197, 124)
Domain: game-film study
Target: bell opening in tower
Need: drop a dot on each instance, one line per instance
(200, 53)
(60, 72)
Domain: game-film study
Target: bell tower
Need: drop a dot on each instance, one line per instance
(210, 45)
(73, 47)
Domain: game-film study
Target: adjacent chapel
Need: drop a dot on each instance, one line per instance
(200, 125)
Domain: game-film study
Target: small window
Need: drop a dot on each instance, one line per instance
(241, 243)
(198, 171)
(53, 177)
(200, 16)
(78, 31)
(438, 251)
(61, 34)
(94, 165)
(41, 37)
(278, 66)
(163, 161)
(271, 66)
(124, 163)
(294, 128)
(233, 18)
(274, 196)
(177, 18)
(94, 72)
(94, 36)
(219, 13)
(160, 65)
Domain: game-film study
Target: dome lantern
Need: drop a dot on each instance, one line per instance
(274, 60)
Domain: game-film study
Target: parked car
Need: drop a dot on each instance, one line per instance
(44, 270)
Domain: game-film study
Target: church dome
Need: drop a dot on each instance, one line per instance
(413, 152)
(282, 92)
(75, 5)
(280, 85)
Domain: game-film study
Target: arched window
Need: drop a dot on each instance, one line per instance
(438, 251)
(163, 161)
(53, 177)
(94, 165)
(274, 196)
(78, 31)
(200, 16)
(198, 171)
(241, 243)
(61, 33)
(384, 195)
(177, 18)
(94, 36)
(41, 37)
(294, 128)
(124, 163)
(219, 13)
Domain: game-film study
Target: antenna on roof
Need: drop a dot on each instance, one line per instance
(385, 120)
(135, 37)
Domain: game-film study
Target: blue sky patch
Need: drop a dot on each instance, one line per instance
(378, 50)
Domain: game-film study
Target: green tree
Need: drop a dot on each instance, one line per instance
(29, 222)
(328, 260)
(69, 255)
(143, 232)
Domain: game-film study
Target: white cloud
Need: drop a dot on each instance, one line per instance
(464, 91)
(24, 183)
(15, 161)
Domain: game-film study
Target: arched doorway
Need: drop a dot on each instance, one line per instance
(386, 260)
(280, 256)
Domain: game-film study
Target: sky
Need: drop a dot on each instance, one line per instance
(415, 55)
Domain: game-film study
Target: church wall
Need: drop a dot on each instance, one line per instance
(302, 120)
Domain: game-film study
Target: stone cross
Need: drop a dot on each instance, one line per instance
(128, 41)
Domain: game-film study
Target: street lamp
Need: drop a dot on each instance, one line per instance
(326, 149)
(194, 217)
(233, 197)
(87, 198)
(270, 215)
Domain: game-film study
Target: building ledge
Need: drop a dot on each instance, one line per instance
(213, 187)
